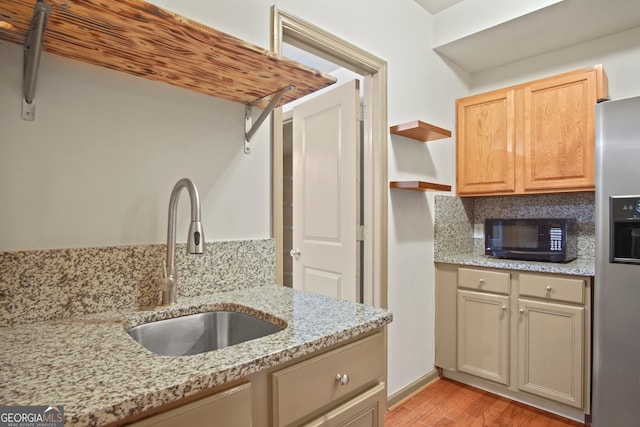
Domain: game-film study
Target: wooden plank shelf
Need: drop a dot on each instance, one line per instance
(144, 40)
(420, 131)
(419, 186)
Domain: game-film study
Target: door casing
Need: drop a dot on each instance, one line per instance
(286, 27)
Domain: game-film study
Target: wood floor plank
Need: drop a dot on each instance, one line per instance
(449, 403)
(483, 404)
(515, 414)
(490, 417)
(454, 406)
(433, 394)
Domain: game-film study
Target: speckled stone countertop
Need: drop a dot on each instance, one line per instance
(90, 365)
(580, 266)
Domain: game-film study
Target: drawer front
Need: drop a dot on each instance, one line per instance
(301, 389)
(552, 288)
(483, 280)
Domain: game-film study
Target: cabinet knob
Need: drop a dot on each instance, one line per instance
(295, 253)
(481, 282)
(504, 307)
(342, 379)
(521, 310)
(548, 288)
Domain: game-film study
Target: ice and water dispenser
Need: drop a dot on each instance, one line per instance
(625, 229)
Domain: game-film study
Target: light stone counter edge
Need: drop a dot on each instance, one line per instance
(90, 365)
(578, 267)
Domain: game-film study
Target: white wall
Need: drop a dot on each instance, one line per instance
(98, 164)
(619, 54)
(421, 86)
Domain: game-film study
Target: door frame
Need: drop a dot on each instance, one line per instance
(296, 31)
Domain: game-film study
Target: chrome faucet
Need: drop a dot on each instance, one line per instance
(195, 239)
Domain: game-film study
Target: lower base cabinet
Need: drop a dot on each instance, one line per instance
(319, 384)
(522, 334)
(225, 409)
(550, 351)
(483, 335)
(344, 385)
(366, 410)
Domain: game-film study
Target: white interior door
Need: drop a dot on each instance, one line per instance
(325, 193)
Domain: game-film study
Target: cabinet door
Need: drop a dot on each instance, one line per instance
(551, 351)
(365, 410)
(559, 135)
(231, 408)
(483, 335)
(485, 147)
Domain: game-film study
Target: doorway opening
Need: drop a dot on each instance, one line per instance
(319, 49)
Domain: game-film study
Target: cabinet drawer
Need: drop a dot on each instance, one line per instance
(308, 386)
(483, 280)
(552, 288)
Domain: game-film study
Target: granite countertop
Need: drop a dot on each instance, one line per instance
(93, 368)
(579, 267)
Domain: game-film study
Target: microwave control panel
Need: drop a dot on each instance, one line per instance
(555, 238)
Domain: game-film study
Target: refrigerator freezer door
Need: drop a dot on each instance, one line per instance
(616, 349)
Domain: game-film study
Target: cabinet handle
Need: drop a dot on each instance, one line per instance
(481, 282)
(342, 379)
(521, 310)
(504, 307)
(548, 288)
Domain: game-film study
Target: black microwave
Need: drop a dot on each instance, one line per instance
(533, 239)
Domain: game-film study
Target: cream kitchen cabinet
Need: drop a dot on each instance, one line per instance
(521, 334)
(365, 410)
(551, 335)
(333, 388)
(343, 385)
(225, 409)
(483, 324)
(537, 137)
(483, 335)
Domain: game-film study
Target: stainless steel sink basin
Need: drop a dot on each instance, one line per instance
(199, 333)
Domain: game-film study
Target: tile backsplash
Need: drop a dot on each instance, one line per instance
(58, 283)
(455, 218)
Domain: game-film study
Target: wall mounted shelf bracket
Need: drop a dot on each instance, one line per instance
(32, 51)
(249, 126)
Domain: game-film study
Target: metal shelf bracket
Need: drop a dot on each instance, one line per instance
(249, 126)
(32, 51)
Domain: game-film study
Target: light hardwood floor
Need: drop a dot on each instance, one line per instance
(448, 403)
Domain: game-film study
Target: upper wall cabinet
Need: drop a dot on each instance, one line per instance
(139, 38)
(537, 137)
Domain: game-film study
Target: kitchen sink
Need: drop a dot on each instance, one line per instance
(200, 333)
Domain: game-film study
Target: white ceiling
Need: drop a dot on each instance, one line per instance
(564, 24)
(435, 6)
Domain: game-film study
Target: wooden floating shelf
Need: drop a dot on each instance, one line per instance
(144, 40)
(420, 131)
(419, 186)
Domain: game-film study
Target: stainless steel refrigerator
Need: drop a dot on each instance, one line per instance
(616, 343)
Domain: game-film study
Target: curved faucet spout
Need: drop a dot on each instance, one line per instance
(195, 239)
